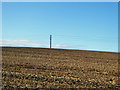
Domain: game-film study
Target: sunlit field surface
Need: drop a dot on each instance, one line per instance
(58, 68)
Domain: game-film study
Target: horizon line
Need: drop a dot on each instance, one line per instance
(60, 49)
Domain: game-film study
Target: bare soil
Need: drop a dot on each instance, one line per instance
(24, 67)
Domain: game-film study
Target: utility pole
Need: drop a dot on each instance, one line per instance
(50, 41)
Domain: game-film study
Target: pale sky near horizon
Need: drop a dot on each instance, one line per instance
(73, 25)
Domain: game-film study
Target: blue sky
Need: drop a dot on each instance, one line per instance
(73, 25)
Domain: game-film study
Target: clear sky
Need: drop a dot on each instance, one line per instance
(73, 25)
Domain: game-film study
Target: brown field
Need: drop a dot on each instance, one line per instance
(58, 68)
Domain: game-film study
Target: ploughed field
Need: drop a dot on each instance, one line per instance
(58, 68)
